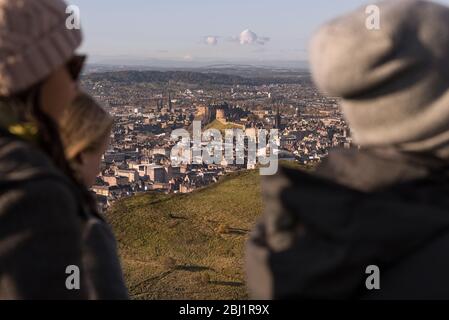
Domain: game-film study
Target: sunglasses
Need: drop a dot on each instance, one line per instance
(75, 66)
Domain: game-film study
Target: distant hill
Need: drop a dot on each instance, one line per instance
(188, 246)
(129, 63)
(201, 78)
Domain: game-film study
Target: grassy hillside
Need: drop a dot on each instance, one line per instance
(217, 124)
(188, 246)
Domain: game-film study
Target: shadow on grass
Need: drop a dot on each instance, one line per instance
(155, 278)
(193, 268)
(176, 217)
(228, 283)
(159, 201)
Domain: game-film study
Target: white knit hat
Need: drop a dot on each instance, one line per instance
(34, 41)
(394, 82)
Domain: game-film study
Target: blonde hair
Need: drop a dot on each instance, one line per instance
(85, 126)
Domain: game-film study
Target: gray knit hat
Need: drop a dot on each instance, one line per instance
(34, 41)
(394, 82)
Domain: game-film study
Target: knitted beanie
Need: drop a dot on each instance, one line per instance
(393, 81)
(34, 42)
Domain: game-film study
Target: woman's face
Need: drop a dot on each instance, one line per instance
(58, 92)
(90, 163)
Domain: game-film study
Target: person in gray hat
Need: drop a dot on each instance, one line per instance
(371, 222)
(53, 243)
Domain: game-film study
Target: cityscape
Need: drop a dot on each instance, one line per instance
(148, 105)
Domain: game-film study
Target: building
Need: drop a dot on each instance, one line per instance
(220, 115)
(111, 157)
(115, 180)
(101, 190)
(132, 175)
(154, 172)
(157, 173)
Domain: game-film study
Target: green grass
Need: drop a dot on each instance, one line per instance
(188, 246)
(216, 124)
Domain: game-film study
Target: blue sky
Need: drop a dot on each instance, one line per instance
(178, 29)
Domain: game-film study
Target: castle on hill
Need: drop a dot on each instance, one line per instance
(222, 112)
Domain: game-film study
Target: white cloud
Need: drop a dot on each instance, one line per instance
(248, 37)
(211, 40)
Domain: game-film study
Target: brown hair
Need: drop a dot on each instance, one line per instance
(85, 126)
(25, 106)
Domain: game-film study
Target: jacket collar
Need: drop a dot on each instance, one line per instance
(376, 168)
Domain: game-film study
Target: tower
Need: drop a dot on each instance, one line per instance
(170, 106)
(220, 115)
(159, 105)
(277, 121)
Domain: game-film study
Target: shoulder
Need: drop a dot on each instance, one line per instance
(20, 150)
(22, 161)
(29, 181)
(301, 180)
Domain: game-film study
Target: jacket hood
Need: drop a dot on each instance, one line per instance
(321, 230)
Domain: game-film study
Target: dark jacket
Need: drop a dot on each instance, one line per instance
(45, 227)
(321, 230)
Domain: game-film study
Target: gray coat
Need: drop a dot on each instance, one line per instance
(44, 228)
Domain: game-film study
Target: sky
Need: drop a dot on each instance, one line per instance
(200, 30)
